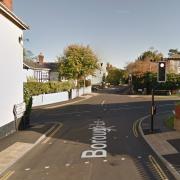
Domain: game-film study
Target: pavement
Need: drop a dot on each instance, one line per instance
(16, 145)
(164, 141)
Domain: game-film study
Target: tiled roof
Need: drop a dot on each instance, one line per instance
(52, 66)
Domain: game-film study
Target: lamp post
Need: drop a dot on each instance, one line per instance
(130, 83)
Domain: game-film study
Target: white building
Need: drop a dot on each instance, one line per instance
(40, 70)
(11, 63)
(174, 65)
(97, 78)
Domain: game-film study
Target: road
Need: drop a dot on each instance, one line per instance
(96, 139)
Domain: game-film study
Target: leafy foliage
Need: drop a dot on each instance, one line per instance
(149, 81)
(173, 52)
(77, 62)
(144, 63)
(170, 122)
(27, 55)
(115, 76)
(151, 55)
(36, 88)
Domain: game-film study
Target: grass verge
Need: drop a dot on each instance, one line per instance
(170, 122)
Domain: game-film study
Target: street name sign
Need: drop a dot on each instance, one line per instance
(19, 110)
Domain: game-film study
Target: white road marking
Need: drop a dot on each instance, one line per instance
(102, 103)
(87, 162)
(27, 169)
(46, 167)
(98, 140)
(67, 165)
(105, 160)
(69, 113)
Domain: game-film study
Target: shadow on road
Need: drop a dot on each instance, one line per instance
(118, 113)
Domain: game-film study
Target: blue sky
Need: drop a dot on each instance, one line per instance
(117, 30)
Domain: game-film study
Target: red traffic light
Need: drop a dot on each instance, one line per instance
(161, 71)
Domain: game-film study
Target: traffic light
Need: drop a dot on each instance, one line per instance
(161, 71)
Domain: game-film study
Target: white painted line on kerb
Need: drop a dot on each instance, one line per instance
(70, 103)
(102, 103)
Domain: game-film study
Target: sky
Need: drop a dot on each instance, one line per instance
(117, 30)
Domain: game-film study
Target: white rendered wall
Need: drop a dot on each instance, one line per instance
(45, 99)
(11, 64)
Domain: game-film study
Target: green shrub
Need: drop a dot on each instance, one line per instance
(170, 122)
(37, 88)
(149, 80)
(28, 101)
(81, 83)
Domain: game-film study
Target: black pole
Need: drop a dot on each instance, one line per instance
(152, 112)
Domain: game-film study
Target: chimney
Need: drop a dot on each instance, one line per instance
(108, 66)
(8, 3)
(41, 58)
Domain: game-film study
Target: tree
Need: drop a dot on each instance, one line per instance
(77, 62)
(115, 76)
(145, 63)
(151, 55)
(173, 52)
(28, 55)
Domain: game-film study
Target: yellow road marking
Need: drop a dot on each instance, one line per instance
(135, 128)
(158, 168)
(52, 133)
(7, 175)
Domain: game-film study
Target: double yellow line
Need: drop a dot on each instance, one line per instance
(7, 175)
(157, 168)
(135, 131)
(52, 133)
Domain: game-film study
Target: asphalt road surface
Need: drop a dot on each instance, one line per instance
(96, 139)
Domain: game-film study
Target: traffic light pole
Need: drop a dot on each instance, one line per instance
(161, 78)
(152, 112)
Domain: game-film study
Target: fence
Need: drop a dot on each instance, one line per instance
(45, 99)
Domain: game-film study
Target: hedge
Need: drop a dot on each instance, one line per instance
(37, 88)
(149, 81)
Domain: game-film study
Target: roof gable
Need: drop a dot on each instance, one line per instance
(34, 65)
(12, 17)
